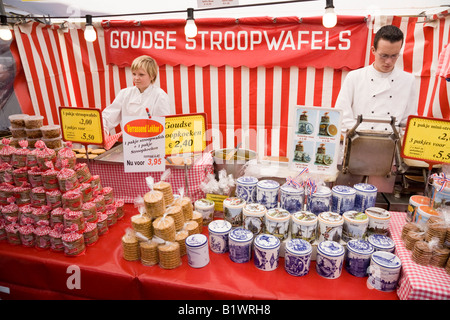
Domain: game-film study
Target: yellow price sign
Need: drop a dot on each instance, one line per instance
(427, 139)
(185, 133)
(81, 125)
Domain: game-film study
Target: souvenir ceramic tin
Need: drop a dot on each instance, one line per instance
(366, 196)
(330, 226)
(297, 257)
(342, 199)
(266, 252)
(206, 208)
(415, 202)
(246, 188)
(355, 225)
(381, 243)
(424, 213)
(218, 235)
(357, 257)
(277, 223)
(240, 245)
(267, 193)
(254, 217)
(292, 198)
(304, 225)
(329, 259)
(378, 220)
(319, 201)
(232, 211)
(384, 271)
(197, 250)
(440, 196)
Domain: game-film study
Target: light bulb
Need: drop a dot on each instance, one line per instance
(329, 19)
(5, 33)
(90, 34)
(190, 29)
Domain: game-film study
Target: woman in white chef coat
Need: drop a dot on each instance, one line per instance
(134, 101)
(380, 90)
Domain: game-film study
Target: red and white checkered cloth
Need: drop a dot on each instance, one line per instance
(128, 186)
(417, 282)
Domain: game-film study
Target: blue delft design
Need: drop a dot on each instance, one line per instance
(297, 258)
(357, 258)
(320, 200)
(240, 245)
(342, 199)
(267, 193)
(267, 249)
(291, 198)
(246, 188)
(329, 259)
(381, 242)
(366, 196)
(384, 271)
(218, 235)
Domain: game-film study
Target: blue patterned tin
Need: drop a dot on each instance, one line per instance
(329, 259)
(342, 199)
(297, 258)
(292, 198)
(382, 243)
(240, 245)
(267, 193)
(319, 201)
(366, 196)
(218, 235)
(384, 271)
(266, 252)
(246, 188)
(197, 250)
(357, 258)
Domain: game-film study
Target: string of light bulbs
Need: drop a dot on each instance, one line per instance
(329, 19)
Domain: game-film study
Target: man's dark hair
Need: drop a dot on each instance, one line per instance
(390, 33)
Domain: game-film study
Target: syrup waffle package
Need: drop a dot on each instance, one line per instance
(165, 187)
(155, 205)
(130, 245)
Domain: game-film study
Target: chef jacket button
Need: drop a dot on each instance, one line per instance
(372, 128)
(392, 80)
(390, 96)
(389, 113)
(374, 96)
(385, 128)
(371, 80)
(373, 111)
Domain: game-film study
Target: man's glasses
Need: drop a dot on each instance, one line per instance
(387, 56)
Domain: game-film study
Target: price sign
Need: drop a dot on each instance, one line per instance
(81, 125)
(185, 133)
(427, 139)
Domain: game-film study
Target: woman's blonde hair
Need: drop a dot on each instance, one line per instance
(148, 64)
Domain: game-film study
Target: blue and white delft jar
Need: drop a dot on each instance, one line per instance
(342, 199)
(297, 258)
(246, 188)
(381, 242)
(218, 235)
(266, 252)
(197, 250)
(384, 271)
(329, 259)
(357, 258)
(254, 215)
(267, 193)
(366, 196)
(292, 198)
(319, 201)
(240, 245)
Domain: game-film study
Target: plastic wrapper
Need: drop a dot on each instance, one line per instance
(50, 178)
(89, 210)
(6, 173)
(90, 234)
(67, 179)
(44, 155)
(74, 219)
(42, 233)
(130, 245)
(57, 216)
(20, 156)
(65, 157)
(10, 210)
(22, 194)
(86, 191)
(108, 194)
(42, 213)
(55, 235)
(12, 232)
(164, 227)
(73, 241)
(102, 224)
(154, 201)
(119, 204)
(222, 186)
(35, 177)
(7, 151)
(20, 176)
(26, 232)
(38, 197)
(165, 187)
(84, 175)
(53, 198)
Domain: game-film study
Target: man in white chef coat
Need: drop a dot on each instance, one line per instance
(380, 90)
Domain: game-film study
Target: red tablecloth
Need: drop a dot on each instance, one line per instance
(28, 273)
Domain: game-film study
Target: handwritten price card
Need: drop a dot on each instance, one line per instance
(81, 125)
(185, 133)
(427, 139)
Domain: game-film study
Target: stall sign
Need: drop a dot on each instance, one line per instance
(81, 125)
(427, 139)
(144, 144)
(185, 133)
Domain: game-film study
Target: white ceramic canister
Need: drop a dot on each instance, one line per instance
(381, 243)
(424, 213)
(267, 193)
(329, 226)
(304, 226)
(297, 257)
(292, 198)
(319, 201)
(277, 223)
(246, 188)
(384, 271)
(253, 215)
(206, 208)
(357, 257)
(266, 252)
(218, 235)
(232, 211)
(366, 196)
(342, 199)
(415, 201)
(329, 259)
(440, 196)
(355, 225)
(240, 245)
(379, 219)
(197, 250)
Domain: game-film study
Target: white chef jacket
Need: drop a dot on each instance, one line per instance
(130, 102)
(375, 94)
